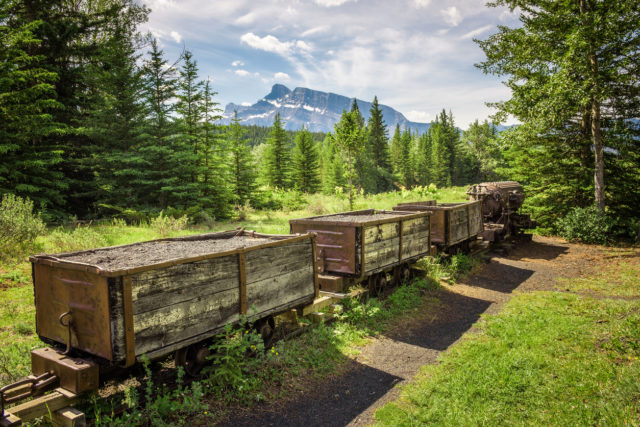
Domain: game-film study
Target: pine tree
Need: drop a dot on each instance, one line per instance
(378, 148)
(277, 156)
(305, 163)
(187, 156)
(159, 90)
(405, 166)
(348, 136)
(29, 157)
(570, 66)
(243, 176)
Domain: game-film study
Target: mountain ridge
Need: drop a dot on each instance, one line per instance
(317, 110)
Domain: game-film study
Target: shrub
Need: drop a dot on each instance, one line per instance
(79, 239)
(19, 227)
(165, 225)
(587, 225)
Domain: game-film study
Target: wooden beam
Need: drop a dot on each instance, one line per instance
(243, 282)
(128, 322)
(68, 417)
(44, 405)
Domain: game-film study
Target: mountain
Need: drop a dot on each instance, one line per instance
(317, 110)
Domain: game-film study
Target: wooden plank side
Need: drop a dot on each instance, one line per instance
(155, 289)
(415, 244)
(416, 225)
(178, 322)
(281, 289)
(475, 219)
(271, 262)
(458, 225)
(177, 277)
(381, 253)
(116, 304)
(376, 233)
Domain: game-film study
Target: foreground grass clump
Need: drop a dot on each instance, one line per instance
(549, 358)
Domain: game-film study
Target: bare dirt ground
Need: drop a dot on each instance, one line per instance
(373, 377)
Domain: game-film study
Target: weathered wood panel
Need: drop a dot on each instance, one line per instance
(415, 244)
(381, 232)
(381, 253)
(280, 290)
(475, 219)
(168, 325)
(458, 228)
(116, 299)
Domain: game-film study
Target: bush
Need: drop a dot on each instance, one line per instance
(19, 227)
(165, 225)
(81, 238)
(587, 225)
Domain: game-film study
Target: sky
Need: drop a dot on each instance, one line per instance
(416, 56)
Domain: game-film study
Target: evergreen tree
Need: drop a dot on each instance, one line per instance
(331, 166)
(277, 156)
(348, 136)
(243, 177)
(481, 140)
(29, 157)
(378, 149)
(396, 151)
(116, 118)
(424, 164)
(405, 166)
(571, 67)
(160, 81)
(305, 162)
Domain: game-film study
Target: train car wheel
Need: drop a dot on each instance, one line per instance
(192, 358)
(266, 328)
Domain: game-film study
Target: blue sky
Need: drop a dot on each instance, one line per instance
(417, 56)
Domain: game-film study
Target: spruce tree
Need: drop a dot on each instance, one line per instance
(349, 138)
(159, 90)
(243, 176)
(29, 157)
(571, 67)
(277, 156)
(305, 162)
(378, 148)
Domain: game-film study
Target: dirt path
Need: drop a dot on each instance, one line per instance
(396, 357)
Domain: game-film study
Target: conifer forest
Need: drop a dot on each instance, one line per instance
(96, 121)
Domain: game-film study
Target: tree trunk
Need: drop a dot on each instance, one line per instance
(598, 176)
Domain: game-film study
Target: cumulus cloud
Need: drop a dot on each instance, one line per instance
(476, 32)
(418, 116)
(421, 3)
(281, 76)
(452, 16)
(267, 43)
(242, 73)
(237, 63)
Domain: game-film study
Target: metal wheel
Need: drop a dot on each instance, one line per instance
(192, 358)
(381, 283)
(266, 328)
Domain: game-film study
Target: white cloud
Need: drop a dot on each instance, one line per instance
(303, 46)
(452, 16)
(331, 3)
(237, 63)
(242, 73)
(421, 3)
(476, 32)
(246, 104)
(176, 36)
(267, 43)
(418, 116)
(249, 18)
(315, 30)
(281, 76)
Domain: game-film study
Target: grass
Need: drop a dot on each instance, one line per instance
(549, 358)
